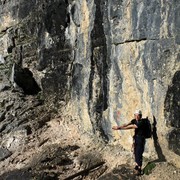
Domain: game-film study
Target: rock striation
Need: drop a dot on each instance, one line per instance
(94, 60)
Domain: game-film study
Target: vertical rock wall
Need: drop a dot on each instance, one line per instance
(134, 55)
(98, 60)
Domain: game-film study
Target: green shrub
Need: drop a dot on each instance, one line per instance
(148, 168)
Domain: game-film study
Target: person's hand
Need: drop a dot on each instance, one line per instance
(116, 127)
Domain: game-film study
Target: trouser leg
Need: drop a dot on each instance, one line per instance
(139, 149)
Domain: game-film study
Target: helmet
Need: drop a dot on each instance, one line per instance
(138, 112)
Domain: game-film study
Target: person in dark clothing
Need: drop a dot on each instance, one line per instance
(138, 138)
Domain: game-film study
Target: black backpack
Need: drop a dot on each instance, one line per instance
(147, 131)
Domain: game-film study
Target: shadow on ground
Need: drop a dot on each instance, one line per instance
(124, 172)
(161, 158)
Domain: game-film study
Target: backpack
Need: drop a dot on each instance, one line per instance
(147, 132)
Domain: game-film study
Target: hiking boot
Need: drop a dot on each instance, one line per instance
(136, 168)
(137, 171)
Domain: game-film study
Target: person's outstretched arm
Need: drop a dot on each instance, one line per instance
(125, 127)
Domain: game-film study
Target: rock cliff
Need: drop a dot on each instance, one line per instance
(92, 63)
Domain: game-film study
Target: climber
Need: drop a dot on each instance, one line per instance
(138, 138)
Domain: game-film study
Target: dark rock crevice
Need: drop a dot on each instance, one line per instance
(174, 140)
(23, 77)
(172, 113)
(98, 91)
(135, 40)
(172, 107)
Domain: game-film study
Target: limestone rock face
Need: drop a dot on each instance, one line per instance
(96, 60)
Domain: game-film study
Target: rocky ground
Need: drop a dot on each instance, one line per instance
(55, 151)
